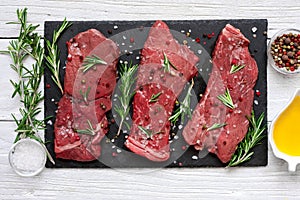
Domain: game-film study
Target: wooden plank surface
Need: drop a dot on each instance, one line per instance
(271, 182)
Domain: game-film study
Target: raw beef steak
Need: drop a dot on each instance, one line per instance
(81, 122)
(231, 49)
(149, 135)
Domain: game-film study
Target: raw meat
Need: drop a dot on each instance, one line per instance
(100, 78)
(152, 116)
(231, 47)
(87, 97)
(72, 116)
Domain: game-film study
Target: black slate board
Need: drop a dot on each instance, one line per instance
(197, 29)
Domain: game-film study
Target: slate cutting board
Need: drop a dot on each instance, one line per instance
(118, 32)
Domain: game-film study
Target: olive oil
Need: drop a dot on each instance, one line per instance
(286, 133)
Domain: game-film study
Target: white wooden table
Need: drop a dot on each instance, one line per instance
(271, 182)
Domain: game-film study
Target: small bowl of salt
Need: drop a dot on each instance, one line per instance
(27, 157)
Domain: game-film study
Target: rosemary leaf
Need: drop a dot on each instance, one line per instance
(125, 87)
(226, 99)
(184, 108)
(215, 126)
(88, 131)
(167, 64)
(52, 61)
(91, 61)
(252, 138)
(147, 132)
(85, 94)
(154, 97)
(236, 68)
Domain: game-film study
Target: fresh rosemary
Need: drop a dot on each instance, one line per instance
(236, 68)
(226, 99)
(167, 64)
(154, 97)
(91, 61)
(147, 132)
(85, 94)
(215, 126)
(53, 62)
(126, 83)
(28, 45)
(184, 108)
(252, 138)
(88, 131)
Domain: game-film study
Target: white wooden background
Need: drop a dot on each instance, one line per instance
(271, 182)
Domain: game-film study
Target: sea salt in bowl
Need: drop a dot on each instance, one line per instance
(27, 157)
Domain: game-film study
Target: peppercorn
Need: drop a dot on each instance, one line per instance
(287, 41)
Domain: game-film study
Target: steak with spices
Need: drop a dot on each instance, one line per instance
(149, 135)
(231, 49)
(81, 122)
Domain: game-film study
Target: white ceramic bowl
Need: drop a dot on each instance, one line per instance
(292, 161)
(271, 59)
(27, 157)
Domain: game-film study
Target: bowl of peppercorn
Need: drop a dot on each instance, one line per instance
(284, 52)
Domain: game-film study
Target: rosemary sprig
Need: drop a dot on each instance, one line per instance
(91, 61)
(184, 108)
(236, 68)
(154, 97)
(252, 138)
(226, 99)
(126, 83)
(88, 131)
(147, 132)
(28, 45)
(53, 62)
(167, 64)
(85, 94)
(215, 126)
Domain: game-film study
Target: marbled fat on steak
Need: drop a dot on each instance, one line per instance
(153, 116)
(76, 112)
(231, 47)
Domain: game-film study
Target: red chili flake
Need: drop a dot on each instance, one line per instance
(77, 138)
(114, 154)
(48, 85)
(131, 40)
(234, 61)
(69, 58)
(204, 43)
(241, 99)
(292, 69)
(257, 92)
(209, 36)
(183, 147)
(180, 164)
(230, 110)
(213, 34)
(112, 121)
(197, 40)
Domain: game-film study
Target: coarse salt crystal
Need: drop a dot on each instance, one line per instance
(255, 102)
(254, 29)
(195, 157)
